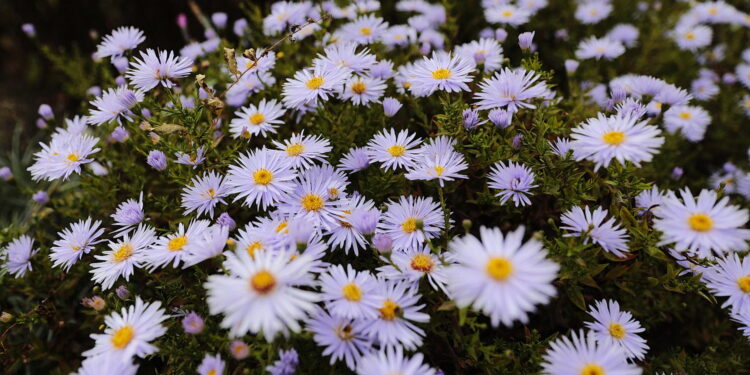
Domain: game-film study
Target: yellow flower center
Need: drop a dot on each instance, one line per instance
(352, 292)
(617, 330)
(439, 171)
(263, 282)
(409, 225)
(613, 138)
(282, 227)
(124, 252)
(592, 369)
(344, 333)
(506, 14)
(690, 35)
(744, 283)
(685, 115)
(122, 337)
(177, 243)
(262, 176)
(315, 82)
(499, 268)
(422, 263)
(252, 248)
(257, 118)
(72, 158)
(312, 202)
(295, 149)
(333, 193)
(211, 193)
(713, 11)
(407, 85)
(441, 74)
(389, 310)
(359, 87)
(396, 150)
(366, 31)
(211, 372)
(700, 222)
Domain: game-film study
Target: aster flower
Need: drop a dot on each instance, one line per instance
(598, 48)
(130, 331)
(345, 56)
(624, 33)
(271, 304)
(441, 72)
(261, 177)
(398, 309)
(648, 200)
(693, 37)
(514, 182)
(205, 245)
(309, 85)
(158, 67)
(730, 278)
(310, 198)
(348, 293)
(171, 248)
(510, 89)
(500, 275)
(593, 11)
(399, 36)
(584, 355)
(254, 120)
(363, 90)
(341, 338)
(743, 74)
(64, 155)
(347, 232)
(260, 235)
(119, 41)
(413, 264)
(249, 83)
(128, 214)
(393, 150)
(286, 364)
(355, 160)
(239, 349)
(705, 226)
(561, 147)
(410, 221)
(76, 240)
(486, 52)
(107, 364)
(122, 257)
(581, 222)
(691, 121)
(114, 105)
(613, 326)
(194, 160)
(283, 15)
(192, 323)
(365, 29)
(623, 138)
(302, 151)
(18, 255)
(434, 164)
(204, 194)
(393, 361)
(744, 319)
(507, 14)
(391, 106)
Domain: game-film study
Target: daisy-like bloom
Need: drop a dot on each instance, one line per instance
(561, 147)
(393, 150)
(365, 29)
(593, 11)
(208, 244)
(507, 14)
(730, 278)
(254, 120)
(413, 264)
(581, 222)
(302, 151)
(310, 199)
(107, 364)
(249, 83)
(704, 226)
(261, 177)
(114, 105)
(399, 36)
(398, 309)
(129, 332)
(309, 85)
(239, 349)
(170, 248)
(18, 255)
(613, 326)
(393, 361)
(355, 160)
(211, 365)
(349, 294)
(619, 137)
(119, 41)
(691, 121)
(624, 33)
(345, 56)
(264, 62)
(341, 338)
(123, 255)
(260, 235)
(743, 318)
(128, 214)
(510, 89)
(514, 182)
(258, 295)
(410, 221)
(583, 355)
(283, 15)
(194, 160)
(76, 240)
(64, 155)
(158, 67)
(348, 232)
(648, 200)
(486, 52)
(363, 90)
(692, 37)
(192, 323)
(598, 48)
(286, 364)
(500, 275)
(743, 74)
(204, 194)
(441, 72)
(438, 160)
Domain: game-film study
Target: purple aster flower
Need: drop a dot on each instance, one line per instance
(677, 173)
(240, 26)
(94, 91)
(183, 158)
(226, 221)
(514, 181)
(122, 292)
(120, 81)
(391, 106)
(41, 124)
(204, 193)
(157, 160)
(511, 89)
(158, 67)
(442, 71)
(6, 174)
(239, 349)
(46, 112)
(355, 160)
(128, 214)
(119, 41)
(29, 29)
(517, 141)
(120, 134)
(114, 104)
(40, 197)
(500, 117)
(382, 242)
(526, 39)
(192, 323)
(561, 34)
(501, 35)
(120, 63)
(471, 118)
(571, 65)
(364, 220)
(286, 364)
(211, 365)
(219, 19)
